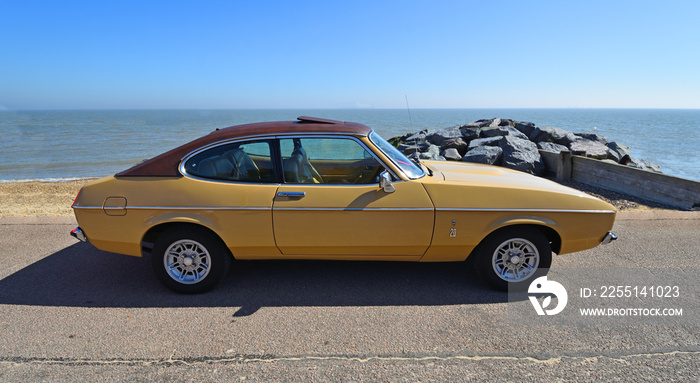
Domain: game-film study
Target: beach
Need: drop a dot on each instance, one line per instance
(24, 199)
(27, 199)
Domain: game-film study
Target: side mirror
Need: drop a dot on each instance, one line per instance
(385, 182)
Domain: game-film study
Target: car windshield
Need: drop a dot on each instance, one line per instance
(411, 170)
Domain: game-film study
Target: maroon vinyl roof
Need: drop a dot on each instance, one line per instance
(167, 163)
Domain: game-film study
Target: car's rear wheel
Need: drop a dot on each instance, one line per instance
(189, 260)
(512, 258)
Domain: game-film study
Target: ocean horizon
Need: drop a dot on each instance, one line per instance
(59, 145)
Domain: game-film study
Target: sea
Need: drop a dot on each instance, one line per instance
(58, 145)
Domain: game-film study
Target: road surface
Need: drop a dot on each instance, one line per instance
(70, 312)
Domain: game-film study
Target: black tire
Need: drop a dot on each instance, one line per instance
(511, 258)
(198, 260)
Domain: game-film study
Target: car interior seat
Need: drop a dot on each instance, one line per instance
(244, 167)
(232, 165)
(298, 169)
(215, 167)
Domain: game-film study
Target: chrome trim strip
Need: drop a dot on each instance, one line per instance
(345, 209)
(346, 137)
(355, 208)
(183, 160)
(290, 184)
(369, 137)
(197, 208)
(528, 210)
(178, 208)
(269, 136)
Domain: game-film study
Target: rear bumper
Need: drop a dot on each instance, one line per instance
(609, 237)
(78, 234)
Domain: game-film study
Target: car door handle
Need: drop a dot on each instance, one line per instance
(292, 194)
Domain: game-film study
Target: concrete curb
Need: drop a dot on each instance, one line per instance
(657, 215)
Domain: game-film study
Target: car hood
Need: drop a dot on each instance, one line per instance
(467, 185)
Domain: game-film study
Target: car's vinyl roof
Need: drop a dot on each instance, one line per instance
(167, 163)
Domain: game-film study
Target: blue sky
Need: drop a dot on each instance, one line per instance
(326, 54)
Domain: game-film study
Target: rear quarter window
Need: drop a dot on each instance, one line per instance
(243, 162)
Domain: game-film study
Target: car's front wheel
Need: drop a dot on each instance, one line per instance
(512, 258)
(189, 260)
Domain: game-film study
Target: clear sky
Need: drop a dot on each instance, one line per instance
(349, 54)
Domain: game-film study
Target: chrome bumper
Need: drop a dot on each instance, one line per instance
(608, 238)
(78, 234)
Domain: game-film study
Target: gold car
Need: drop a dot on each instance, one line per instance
(323, 189)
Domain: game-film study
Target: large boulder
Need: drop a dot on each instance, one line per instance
(552, 147)
(492, 122)
(521, 155)
(432, 154)
(491, 141)
(500, 122)
(621, 152)
(455, 143)
(513, 144)
(410, 138)
(502, 131)
(420, 136)
(593, 137)
(452, 154)
(588, 148)
(490, 155)
(525, 128)
(563, 137)
(540, 133)
(412, 147)
(439, 137)
(484, 123)
(470, 131)
(398, 140)
(645, 165)
(473, 125)
(550, 134)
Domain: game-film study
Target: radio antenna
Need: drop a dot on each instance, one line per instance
(410, 120)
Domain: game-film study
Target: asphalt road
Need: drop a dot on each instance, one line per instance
(70, 312)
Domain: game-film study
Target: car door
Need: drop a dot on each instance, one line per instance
(234, 184)
(331, 203)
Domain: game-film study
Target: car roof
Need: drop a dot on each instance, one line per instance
(167, 163)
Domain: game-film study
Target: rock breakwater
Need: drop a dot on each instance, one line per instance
(512, 144)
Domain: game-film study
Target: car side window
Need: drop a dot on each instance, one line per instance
(328, 161)
(249, 161)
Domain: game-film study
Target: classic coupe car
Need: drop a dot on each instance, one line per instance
(324, 189)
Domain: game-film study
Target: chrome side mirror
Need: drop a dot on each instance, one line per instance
(385, 182)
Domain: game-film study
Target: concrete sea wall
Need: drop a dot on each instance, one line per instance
(670, 190)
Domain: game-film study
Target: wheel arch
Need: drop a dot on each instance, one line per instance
(152, 234)
(552, 235)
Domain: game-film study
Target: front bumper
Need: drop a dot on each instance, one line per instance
(608, 238)
(78, 233)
